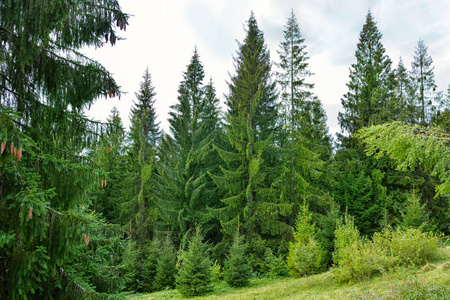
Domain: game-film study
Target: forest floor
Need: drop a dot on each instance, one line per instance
(435, 275)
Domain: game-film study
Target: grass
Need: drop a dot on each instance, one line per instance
(323, 286)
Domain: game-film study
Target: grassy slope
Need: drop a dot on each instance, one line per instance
(322, 286)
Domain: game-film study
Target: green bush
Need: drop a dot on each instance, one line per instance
(359, 259)
(410, 246)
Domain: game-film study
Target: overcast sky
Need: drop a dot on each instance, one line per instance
(162, 35)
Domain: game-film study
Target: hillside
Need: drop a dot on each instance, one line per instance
(432, 279)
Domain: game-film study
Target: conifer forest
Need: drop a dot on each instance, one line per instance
(247, 185)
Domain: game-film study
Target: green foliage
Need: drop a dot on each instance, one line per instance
(305, 252)
(237, 272)
(411, 146)
(194, 273)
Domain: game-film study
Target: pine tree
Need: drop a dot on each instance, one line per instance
(187, 155)
(237, 272)
(422, 76)
(194, 274)
(141, 209)
(251, 163)
(45, 181)
(369, 98)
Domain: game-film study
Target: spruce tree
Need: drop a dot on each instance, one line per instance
(305, 252)
(237, 272)
(140, 210)
(251, 164)
(45, 179)
(194, 274)
(187, 154)
(307, 141)
(363, 186)
(368, 100)
(405, 111)
(166, 267)
(422, 77)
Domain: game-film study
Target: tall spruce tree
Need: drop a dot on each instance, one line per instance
(249, 169)
(368, 100)
(422, 77)
(304, 119)
(45, 181)
(360, 185)
(140, 210)
(187, 154)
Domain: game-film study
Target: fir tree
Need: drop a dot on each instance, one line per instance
(45, 181)
(251, 161)
(422, 76)
(194, 275)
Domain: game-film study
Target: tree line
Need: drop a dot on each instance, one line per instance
(89, 209)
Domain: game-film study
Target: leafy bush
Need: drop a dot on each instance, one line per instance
(359, 259)
(410, 246)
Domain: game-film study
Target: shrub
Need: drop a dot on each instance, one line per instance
(359, 259)
(410, 246)
(194, 275)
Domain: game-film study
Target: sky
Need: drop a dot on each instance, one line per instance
(162, 35)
